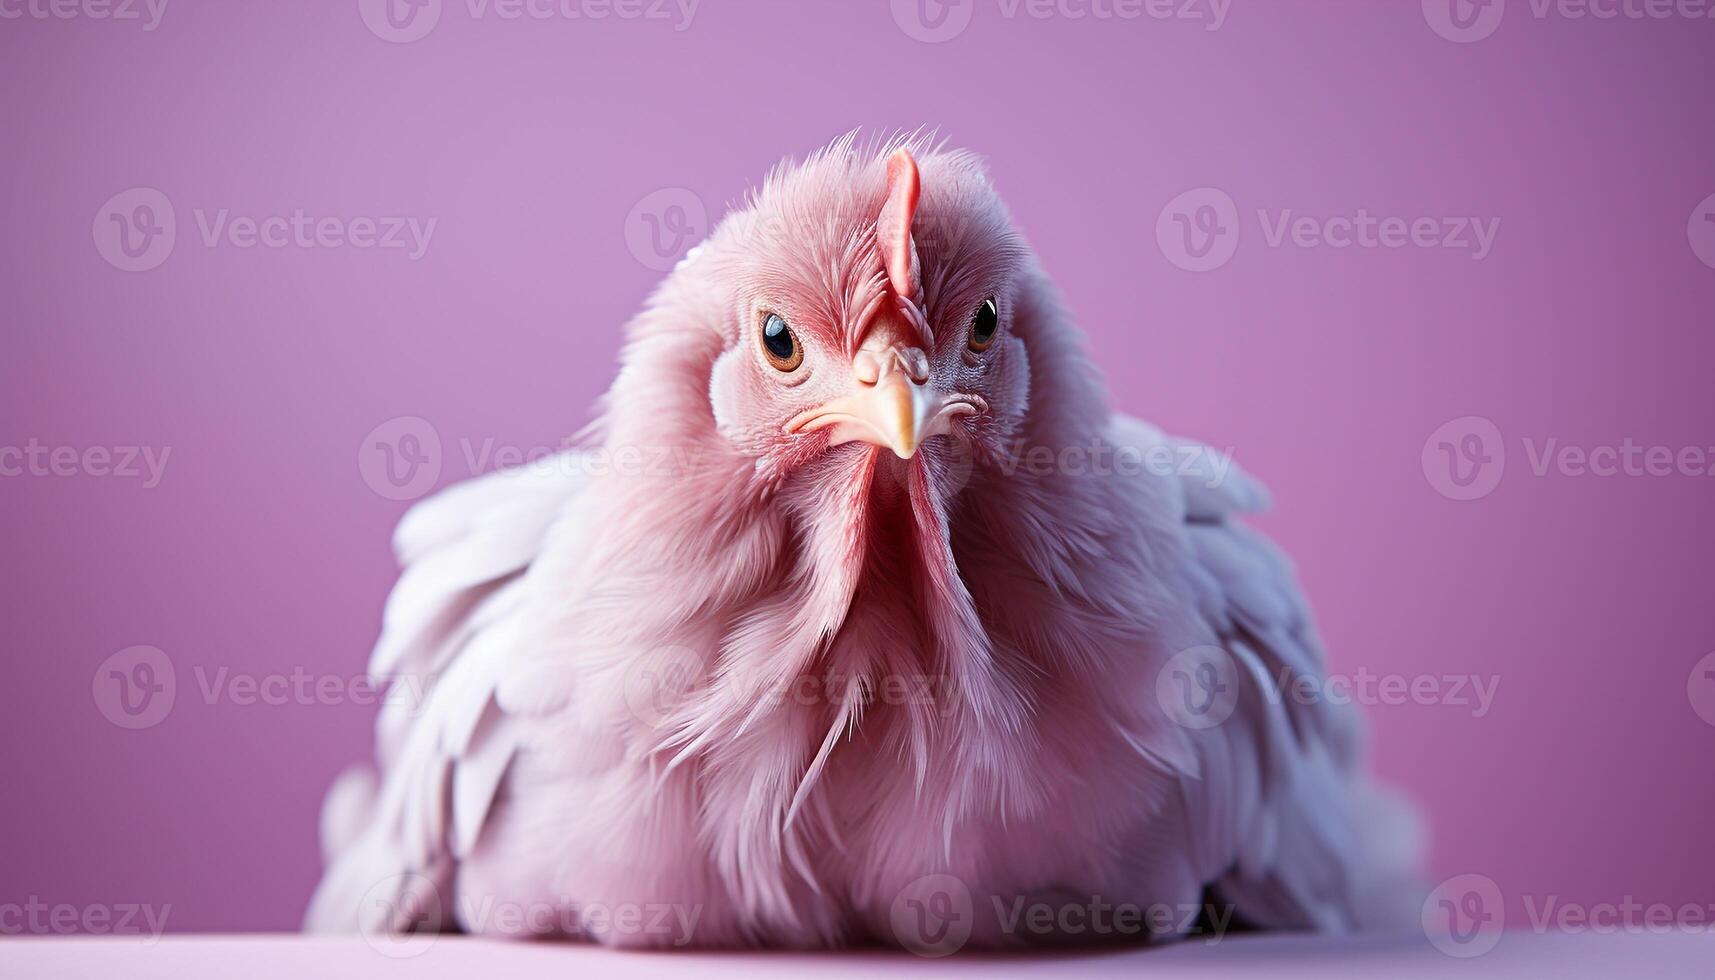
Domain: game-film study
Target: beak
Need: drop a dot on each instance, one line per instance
(897, 412)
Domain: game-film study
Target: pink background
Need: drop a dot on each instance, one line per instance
(264, 551)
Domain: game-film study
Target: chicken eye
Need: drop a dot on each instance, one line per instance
(779, 343)
(984, 322)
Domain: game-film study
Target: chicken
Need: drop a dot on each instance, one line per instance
(823, 639)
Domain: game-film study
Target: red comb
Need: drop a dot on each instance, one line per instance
(893, 226)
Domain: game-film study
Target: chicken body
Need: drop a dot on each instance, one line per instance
(862, 618)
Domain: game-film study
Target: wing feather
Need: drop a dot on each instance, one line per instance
(1277, 808)
(445, 742)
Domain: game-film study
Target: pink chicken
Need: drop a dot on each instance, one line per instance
(819, 641)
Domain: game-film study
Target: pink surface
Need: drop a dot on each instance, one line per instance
(1282, 958)
(538, 147)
